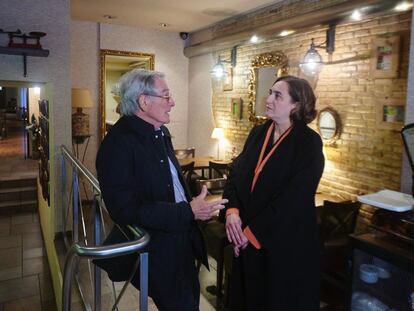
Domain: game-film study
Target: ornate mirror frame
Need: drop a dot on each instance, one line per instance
(117, 62)
(275, 59)
(329, 125)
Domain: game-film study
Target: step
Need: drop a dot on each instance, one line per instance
(18, 195)
(17, 203)
(16, 183)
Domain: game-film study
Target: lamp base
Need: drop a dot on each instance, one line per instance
(80, 123)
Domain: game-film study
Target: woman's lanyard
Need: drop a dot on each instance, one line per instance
(261, 162)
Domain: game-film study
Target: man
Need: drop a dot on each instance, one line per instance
(142, 184)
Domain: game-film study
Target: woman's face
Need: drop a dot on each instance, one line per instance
(279, 103)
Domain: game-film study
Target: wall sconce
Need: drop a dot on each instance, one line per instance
(81, 98)
(218, 71)
(312, 62)
(218, 134)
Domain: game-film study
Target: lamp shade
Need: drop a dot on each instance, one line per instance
(81, 98)
(217, 133)
(312, 61)
(218, 71)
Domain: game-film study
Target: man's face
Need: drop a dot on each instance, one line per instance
(156, 106)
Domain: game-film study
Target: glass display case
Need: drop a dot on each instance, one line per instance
(382, 276)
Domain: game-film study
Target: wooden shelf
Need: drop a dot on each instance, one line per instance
(24, 52)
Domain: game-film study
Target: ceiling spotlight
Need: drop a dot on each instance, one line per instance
(107, 16)
(285, 33)
(403, 6)
(163, 25)
(254, 39)
(356, 15)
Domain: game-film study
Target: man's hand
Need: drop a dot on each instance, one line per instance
(204, 210)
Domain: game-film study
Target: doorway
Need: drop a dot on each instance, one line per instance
(18, 111)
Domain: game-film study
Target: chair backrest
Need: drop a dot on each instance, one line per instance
(187, 170)
(218, 170)
(338, 219)
(185, 153)
(214, 186)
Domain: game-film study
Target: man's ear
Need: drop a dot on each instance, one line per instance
(142, 102)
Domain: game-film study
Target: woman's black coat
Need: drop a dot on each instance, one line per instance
(285, 273)
(137, 188)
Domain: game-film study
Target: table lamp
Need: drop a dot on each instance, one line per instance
(218, 134)
(81, 98)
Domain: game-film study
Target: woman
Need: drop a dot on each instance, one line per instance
(270, 217)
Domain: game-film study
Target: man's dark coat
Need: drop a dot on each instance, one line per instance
(137, 188)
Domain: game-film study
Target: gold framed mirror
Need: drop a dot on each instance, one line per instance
(113, 65)
(329, 125)
(264, 70)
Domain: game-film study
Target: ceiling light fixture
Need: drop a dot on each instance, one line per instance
(285, 33)
(254, 39)
(312, 62)
(356, 15)
(163, 25)
(218, 71)
(403, 6)
(107, 16)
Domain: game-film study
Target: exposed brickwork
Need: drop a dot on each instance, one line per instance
(365, 158)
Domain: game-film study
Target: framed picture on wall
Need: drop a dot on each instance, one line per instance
(385, 57)
(236, 108)
(390, 114)
(228, 81)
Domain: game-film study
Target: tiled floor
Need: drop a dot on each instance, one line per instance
(25, 282)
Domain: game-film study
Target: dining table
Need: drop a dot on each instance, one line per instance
(202, 163)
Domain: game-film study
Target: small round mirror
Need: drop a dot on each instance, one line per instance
(329, 124)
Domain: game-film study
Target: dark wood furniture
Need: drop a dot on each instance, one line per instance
(218, 169)
(187, 153)
(214, 232)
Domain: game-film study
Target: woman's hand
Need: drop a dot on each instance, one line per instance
(234, 229)
(237, 248)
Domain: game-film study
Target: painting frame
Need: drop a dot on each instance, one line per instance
(228, 80)
(385, 58)
(236, 108)
(390, 114)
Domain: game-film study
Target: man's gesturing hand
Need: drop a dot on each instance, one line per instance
(204, 210)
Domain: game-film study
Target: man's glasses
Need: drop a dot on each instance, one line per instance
(167, 97)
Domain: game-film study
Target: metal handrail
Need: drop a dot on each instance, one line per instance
(92, 179)
(141, 239)
(100, 252)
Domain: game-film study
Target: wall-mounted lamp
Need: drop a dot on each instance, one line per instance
(312, 62)
(218, 71)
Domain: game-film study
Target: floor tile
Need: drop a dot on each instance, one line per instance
(32, 240)
(24, 304)
(25, 228)
(25, 218)
(33, 253)
(11, 273)
(10, 241)
(35, 266)
(19, 288)
(4, 229)
(11, 257)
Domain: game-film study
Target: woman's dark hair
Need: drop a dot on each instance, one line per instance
(301, 93)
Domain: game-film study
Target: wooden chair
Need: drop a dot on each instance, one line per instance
(218, 170)
(185, 153)
(338, 221)
(214, 233)
(187, 171)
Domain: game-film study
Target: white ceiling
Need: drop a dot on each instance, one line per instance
(180, 15)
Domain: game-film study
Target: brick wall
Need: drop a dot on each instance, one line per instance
(365, 158)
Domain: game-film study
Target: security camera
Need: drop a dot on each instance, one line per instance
(184, 35)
